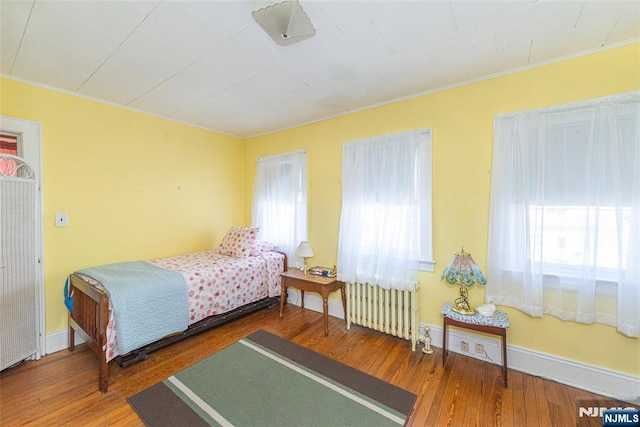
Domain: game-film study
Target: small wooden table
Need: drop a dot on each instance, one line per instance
(311, 283)
(496, 325)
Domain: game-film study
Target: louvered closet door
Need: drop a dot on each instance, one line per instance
(18, 286)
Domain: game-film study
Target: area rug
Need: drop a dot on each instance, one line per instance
(265, 380)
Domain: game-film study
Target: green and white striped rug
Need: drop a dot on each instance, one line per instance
(264, 380)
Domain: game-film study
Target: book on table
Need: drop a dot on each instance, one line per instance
(323, 271)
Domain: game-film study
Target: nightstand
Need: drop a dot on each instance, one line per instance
(496, 325)
(311, 283)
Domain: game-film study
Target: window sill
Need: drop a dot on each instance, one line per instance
(428, 266)
(602, 287)
(567, 283)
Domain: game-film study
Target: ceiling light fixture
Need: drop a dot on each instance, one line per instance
(285, 22)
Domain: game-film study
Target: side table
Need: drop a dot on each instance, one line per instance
(311, 283)
(496, 325)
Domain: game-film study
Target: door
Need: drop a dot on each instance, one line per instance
(21, 278)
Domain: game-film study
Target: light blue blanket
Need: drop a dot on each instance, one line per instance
(149, 302)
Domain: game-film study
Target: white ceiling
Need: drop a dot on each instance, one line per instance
(208, 63)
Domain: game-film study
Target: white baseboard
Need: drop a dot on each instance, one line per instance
(313, 302)
(603, 381)
(59, 340)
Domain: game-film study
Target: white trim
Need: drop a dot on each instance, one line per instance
(427, 265)
(275, 156)
(619, 98)
(603, 381)
(114, 104)
(455, 85)
(59, 340)
(31, 133)
(344, 113)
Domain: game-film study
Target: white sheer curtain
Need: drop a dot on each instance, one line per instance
(382, 198)
(280, 201)
(564, 232)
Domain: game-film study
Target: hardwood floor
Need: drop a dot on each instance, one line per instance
(61, 389)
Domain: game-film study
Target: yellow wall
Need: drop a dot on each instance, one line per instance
(134, 186)
(138, 187)
(462, 122)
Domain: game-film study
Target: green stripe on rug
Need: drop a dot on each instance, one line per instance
(248, 384)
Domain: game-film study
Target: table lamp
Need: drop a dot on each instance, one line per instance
(304, 251)
(463, 270)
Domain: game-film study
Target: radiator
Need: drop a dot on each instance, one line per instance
(390, 311)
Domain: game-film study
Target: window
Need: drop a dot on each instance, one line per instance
(564, 232)
(564, 237)
(280, 201)
(8, 145)
(385, 224)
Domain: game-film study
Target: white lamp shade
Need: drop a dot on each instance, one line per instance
(304, 250)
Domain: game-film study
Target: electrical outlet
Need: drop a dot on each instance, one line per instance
(479, 348)
(464, 346)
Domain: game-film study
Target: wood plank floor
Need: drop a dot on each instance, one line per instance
(61, 388)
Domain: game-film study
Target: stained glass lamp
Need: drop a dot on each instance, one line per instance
(462, 270)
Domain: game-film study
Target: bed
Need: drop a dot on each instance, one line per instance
(239, 277)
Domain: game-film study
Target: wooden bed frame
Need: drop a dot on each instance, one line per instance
(90, 316)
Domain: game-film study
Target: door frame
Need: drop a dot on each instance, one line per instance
(31, 133)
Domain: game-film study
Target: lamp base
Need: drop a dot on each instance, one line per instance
(461, 305)
(463, 310)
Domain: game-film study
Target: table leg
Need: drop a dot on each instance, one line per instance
(302, 294)
(325, 310)
(344, 301)
(72, 338)
(283, 295)
(504, 357)
(444, 342)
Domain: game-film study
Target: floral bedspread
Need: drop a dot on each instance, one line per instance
(217, 284)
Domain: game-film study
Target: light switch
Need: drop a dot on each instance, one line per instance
(62, 220)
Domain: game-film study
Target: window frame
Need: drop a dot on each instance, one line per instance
(426, 263)
(298, 221)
